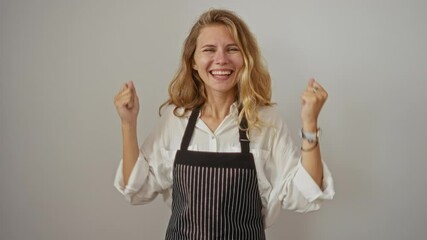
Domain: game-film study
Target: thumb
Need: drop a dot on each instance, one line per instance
(131, 85)
(311, 82)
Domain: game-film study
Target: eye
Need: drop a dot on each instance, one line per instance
(208, 50)
(233, 49)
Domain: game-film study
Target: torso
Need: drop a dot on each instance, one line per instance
(215, 195)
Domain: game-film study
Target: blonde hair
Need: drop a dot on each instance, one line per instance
(187, 90)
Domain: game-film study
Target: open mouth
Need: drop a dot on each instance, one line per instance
(221, 73)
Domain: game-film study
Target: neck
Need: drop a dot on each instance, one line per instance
(217, 107)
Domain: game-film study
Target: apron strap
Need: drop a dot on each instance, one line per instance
(189, 129)
(244, 141)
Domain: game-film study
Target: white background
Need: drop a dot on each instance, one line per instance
(62, 62)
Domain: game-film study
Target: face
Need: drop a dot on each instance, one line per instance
(218, 60)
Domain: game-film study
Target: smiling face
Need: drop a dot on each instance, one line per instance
(218, 60)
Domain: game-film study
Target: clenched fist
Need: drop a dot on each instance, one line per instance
(127, 103)
(313, 99)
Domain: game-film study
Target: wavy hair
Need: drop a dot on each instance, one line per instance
(188, 91)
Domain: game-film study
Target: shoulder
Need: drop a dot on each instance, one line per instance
(270, 115)
(173, 118)
(272, 131)
(272, 122)
(166, 129)
(167, 110)
(172, 111)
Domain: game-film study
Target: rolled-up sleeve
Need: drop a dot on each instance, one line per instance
(152, 173)
(136, 180)
(303, 194)
(297, 189)
(150, 176)
(309, 188)
(284, 182)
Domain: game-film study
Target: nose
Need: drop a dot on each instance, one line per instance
(221, 57)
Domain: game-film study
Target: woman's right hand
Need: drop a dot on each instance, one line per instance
(127, 104)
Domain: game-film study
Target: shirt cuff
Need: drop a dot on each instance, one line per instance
(309, 188)
(136, 179)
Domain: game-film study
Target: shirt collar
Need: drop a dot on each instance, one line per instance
(234, 110)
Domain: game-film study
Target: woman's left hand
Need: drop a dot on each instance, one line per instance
(313, 99)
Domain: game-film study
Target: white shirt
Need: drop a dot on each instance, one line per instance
(282, 180)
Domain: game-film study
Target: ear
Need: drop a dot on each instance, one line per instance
(193, 64)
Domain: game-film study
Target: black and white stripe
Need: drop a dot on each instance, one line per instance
(215, 195)
(215, 203)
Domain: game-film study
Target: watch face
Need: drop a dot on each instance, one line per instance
(310, 136)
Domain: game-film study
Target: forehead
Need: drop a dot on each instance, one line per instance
(216, 33)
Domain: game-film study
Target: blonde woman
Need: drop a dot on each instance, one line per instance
(221, 156)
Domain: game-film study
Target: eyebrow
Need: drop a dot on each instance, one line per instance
(211, 45)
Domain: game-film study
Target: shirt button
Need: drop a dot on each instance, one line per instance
(212, 137)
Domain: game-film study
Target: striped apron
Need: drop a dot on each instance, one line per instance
(214, 195)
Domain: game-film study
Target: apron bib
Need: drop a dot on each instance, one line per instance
(214, 195)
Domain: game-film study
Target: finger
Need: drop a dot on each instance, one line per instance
(310, 85)
(312, 91)
(122, 89)
(321, 90)
(314, 98)
(315, 86)
(123, 102)
(131, 98)
(131, 85)
(311, 82)
(318, 86)
(119, 96)
(315, 89)
(308, 97)
(125, 95)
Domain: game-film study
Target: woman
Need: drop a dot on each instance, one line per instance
(221, 155)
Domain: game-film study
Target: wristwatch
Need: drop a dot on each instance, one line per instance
(311, 137)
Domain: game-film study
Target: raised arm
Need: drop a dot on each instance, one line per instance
(313, 99)
(127, 106)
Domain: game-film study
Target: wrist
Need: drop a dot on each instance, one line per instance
(309, 127)
(128, 126)
(310, 136)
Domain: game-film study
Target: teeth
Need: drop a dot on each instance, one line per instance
(221, 72)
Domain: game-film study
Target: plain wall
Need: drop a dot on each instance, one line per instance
(62, 62)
